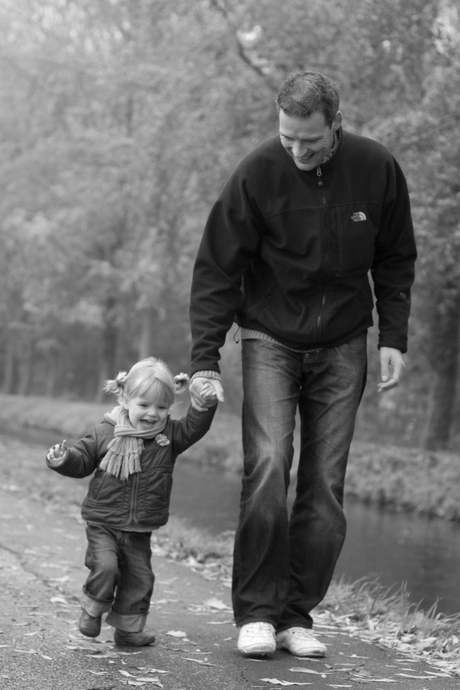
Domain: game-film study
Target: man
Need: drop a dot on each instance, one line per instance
(286, 254)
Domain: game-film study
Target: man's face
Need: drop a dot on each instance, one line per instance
(307, 140)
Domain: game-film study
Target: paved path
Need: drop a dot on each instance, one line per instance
(41, 574)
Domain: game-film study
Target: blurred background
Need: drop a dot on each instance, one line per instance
(120, 120)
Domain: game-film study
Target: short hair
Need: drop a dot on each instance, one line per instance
(308, 92)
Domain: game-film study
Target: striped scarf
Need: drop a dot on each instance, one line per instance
(125, 449)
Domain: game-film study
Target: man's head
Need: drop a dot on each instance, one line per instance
(306, 93)
(308, 106)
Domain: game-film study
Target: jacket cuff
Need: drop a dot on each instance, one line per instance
(208, 374)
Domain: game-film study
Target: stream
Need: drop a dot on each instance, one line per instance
(396, 548)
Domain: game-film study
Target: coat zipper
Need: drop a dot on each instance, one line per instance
(326, 253)
(133, 506)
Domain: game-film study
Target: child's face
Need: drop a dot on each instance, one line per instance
(144, 412)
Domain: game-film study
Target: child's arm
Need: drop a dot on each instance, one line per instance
(57, 454)
(208, 395)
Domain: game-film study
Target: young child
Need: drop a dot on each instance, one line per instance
(132, 454)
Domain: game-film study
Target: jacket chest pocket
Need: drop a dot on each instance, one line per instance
(355, 232)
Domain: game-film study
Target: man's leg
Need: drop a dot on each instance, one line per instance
(271, 377)
(332, 385)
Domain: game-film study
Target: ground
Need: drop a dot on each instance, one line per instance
(42, 547)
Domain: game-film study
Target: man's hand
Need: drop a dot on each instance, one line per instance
(200, 392)
(391, 368)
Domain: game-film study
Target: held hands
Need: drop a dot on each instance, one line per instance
(57, 452)
(204, 393)
(391, 368)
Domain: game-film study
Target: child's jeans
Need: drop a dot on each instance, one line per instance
(121, 578)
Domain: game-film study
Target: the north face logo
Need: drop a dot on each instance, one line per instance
(358, 216)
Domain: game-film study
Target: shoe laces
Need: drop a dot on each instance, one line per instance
(259, 626)
(302, 632)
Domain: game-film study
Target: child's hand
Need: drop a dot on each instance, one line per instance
(208, 391)
(208, 395)
(57, 452)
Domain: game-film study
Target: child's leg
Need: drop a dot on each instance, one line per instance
(102, 557)
(135, 586)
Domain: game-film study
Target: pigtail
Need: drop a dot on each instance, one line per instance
(116, 385)
(181, 382)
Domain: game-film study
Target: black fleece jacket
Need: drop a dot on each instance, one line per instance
(288, 252)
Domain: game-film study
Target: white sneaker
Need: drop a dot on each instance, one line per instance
(257, 638)
(300, 642)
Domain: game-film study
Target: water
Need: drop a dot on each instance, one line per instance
(393, 547)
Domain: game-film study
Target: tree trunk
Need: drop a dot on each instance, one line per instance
(109, 350)
(445, 358)
(149, 321)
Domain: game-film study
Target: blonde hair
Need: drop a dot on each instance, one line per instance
(150, 378)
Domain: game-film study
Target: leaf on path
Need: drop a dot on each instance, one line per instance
(99, 673)
(155, 681)
(215, 603)
(226, 622)
(369, 679)
(200, 661)
(301, 669)
(58, 600)
(275, 681)
(408, 675)
(176, 633)
(26, 651)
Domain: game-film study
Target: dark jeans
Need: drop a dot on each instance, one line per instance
(121, 578)
(283, 565)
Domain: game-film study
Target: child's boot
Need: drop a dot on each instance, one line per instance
(89, 625)
(133, 639)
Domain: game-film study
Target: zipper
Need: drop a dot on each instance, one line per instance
(326, 253)
(133, 506)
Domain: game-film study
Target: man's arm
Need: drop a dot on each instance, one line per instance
(393, 275)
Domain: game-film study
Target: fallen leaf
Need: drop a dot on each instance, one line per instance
(300, 669)
(200, 661)
(155, 681)
(177, 633)
(215, 603)
(98, 673)
(408, 675)
(275, 681)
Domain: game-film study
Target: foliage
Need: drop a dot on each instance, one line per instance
(120, 121)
